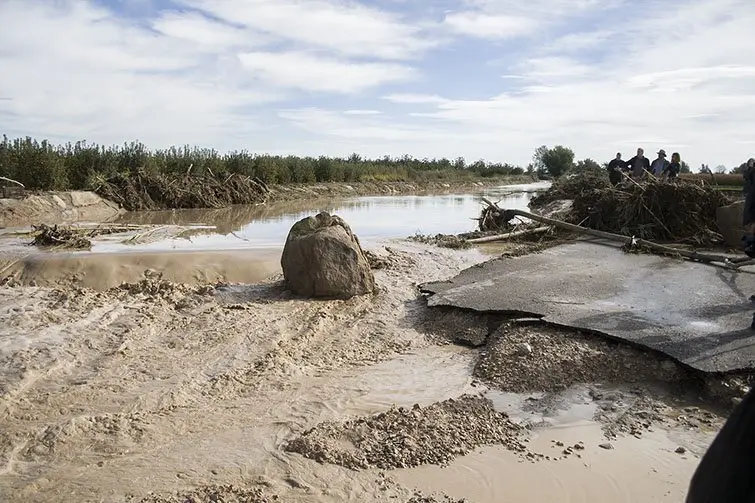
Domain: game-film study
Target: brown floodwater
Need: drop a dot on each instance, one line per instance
(240, 244)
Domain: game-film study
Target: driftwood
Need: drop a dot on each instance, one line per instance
(12, 181)
(509, 235)
(627, 240)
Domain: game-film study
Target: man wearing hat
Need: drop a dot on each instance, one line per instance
(660, 164)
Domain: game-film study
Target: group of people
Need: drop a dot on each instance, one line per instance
(639, 166)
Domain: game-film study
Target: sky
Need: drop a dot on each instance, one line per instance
(480, 79)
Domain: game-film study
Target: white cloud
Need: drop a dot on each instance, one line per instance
(362, 112)
(204, 32)
(337, 76)
(414, 98)
(313, 73)
(347, 28)
(478, 24)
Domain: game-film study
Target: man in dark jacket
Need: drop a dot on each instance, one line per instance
(615, 167)
(639, 164)
(725, 474)
(748, 214)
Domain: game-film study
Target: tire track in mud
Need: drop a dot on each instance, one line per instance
(144, 370)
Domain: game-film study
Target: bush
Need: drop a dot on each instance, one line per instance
(40, 165)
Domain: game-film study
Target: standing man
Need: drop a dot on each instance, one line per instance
(748, 214)
(615, 167)
(660, 164)
(639, 165)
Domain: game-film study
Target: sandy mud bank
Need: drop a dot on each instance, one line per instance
(57, 207)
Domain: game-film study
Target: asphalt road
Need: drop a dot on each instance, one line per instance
(698, 314)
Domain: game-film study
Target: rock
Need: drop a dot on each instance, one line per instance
(680, 450)
(523, 349)
(323, 258)
(729, 220)
(607, 446)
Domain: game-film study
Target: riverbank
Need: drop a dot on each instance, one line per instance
(71, 207)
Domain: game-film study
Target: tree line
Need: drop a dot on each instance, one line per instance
(41, 165)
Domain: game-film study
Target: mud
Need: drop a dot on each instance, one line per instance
(158, 387)
(102, 271)
(156, 391)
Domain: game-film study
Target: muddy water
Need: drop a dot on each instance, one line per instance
(240, 244)
(632, 469)
(373, 219)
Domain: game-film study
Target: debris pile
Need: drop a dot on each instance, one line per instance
(492, 219)
(442, 240)
(144, 190)
(402, 438)
(60, 237)
(654, 210)
(571, 187)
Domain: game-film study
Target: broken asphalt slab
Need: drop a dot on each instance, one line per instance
(697, 314)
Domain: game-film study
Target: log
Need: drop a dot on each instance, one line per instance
(692, 255)
(503, 237)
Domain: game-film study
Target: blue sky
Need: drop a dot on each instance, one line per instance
(482, 79)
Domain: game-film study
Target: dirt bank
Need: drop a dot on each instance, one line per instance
(332, 190)
(55, 208)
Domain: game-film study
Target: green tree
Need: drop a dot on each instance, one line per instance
(553, 161)
(685, 168)
(586, 165)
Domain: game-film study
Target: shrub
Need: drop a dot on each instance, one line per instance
(40, 165)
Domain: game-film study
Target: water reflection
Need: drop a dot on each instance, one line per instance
(371, 218)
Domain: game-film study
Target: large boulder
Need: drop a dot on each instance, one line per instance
(729, 220)
(323, 258)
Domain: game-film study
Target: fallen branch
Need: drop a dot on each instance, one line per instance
(631, 241)
(12, 181)
(503, 237)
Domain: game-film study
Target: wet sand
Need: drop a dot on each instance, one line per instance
(162, 388)
(100, 271)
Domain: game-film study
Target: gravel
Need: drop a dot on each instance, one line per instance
(529, 358)
(214, 494)
(401, 438)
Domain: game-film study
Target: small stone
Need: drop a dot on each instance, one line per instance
(523, 349)
(680, 450)
(607, 446)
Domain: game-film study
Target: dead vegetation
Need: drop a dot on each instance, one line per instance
(145, 190)
(60, 237)
(654, 210)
